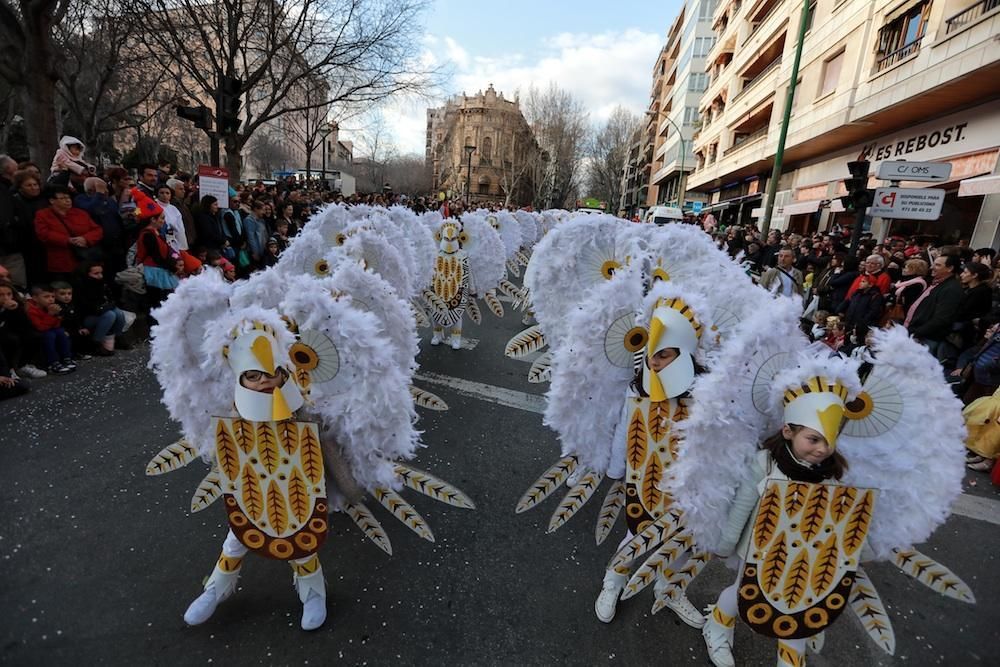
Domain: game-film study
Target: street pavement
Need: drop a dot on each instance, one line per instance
(99, 561)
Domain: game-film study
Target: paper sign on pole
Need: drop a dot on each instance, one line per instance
(214, 181)
(908, 203)
(901, 170)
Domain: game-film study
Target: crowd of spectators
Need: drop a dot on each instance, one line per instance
(85, 252)
(947, 297)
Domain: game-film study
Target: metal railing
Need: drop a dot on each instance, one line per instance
(969, 15)
(890, 59)
(746, 139)
(760, 75)
(755, 25)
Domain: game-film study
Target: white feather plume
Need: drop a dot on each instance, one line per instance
(485, 250)
(528, 221)
(918, 465)
(510, 232)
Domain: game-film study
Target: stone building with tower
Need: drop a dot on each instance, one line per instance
(481, 148)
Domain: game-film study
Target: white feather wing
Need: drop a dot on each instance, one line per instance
(918, 464)
(586, 389)
(485, 250)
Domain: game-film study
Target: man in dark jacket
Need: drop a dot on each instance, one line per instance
(932, 314)
(10, 236)
(104, 211)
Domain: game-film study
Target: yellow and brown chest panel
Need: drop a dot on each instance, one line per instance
(450, 278)
(273, 484)
(650, 448)
(804, 550)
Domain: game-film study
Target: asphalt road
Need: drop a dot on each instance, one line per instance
(100, 561)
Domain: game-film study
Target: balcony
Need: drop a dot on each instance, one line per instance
(899, 55)
(970, 15)
(745, 140)
(750, 83)
(761, 18)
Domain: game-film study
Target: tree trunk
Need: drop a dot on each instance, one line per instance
(309, 157)
(234, 161)
(39, 95)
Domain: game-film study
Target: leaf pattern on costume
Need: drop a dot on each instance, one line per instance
(867, 605)
(298, 496)
(933, 574)
(767, 516)
(542, 487)
(243, 435)
(636, 446)
(610, 509)
(524, 343)
(789, 656)
(825, 567)
(311, 456)
(650, 481)
(798, 578)
(857, 524)
(225, 450)
(494, 303)
(472, 308)
(288, 432)
(843, 498)
(659, 418)
(774, 564)
(253, 499)
(795, 498)
(277, 513)
(209, 490)
(173, 456)
(267, 447)
(815, 512)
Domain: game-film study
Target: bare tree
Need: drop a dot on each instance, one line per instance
(408, 174)
(559, 122)
(29, 62)
(308, 127)
(105, 83)
(519, 166)
(267, 153)
(608, 153)
(376, 151)
(364, 50)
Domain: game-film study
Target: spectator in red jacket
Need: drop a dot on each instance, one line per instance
(874, 274)
(43, 313)
(66, 233)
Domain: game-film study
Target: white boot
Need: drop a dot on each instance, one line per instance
(685, 611)
(456, 341)
(312, 593)
(437, 337)
(606, 602)
(718, 634)
(219, 587)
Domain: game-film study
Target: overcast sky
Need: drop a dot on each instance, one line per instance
(602, 52)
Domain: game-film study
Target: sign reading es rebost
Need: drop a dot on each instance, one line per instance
(907, 203)
(901, 170)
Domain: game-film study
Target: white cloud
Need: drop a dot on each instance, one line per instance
(603, 70)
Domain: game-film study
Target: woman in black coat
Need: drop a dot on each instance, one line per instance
(208, 224)
(840, 283)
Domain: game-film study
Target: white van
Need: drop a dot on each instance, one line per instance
(661, 215)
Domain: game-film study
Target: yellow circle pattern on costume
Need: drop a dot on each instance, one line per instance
(238, 519)
(760, 613)
(280, 548)
(816, 618)
(303, 356)
(835, 601)
(609, 267)
(784, 626)
(636, 339)
(749, 591)
(860, 407)
(306, 541)
(634, 510)
(317, 525)
(253, 538)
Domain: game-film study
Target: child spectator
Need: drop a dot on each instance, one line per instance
(834, 338)
(281, 234)
(43, 313)
(819, 325)
(17, 337)
(863, 309)
(72, 320)
(271, 253)
(104, 321)
(68, 166)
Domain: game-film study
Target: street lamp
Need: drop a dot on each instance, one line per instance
(326, 129)
(469, 150)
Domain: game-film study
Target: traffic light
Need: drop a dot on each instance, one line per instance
(230, 91)
(201, 116)
(858, 197)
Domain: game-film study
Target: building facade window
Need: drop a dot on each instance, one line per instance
(690, 115)
(901, 36)
(705, 9)
(702, 45)
(831, 74)
(486, 150)
(697, 82)
(812, 15)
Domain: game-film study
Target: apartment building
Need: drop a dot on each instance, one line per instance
(879, 79)
(679, 79)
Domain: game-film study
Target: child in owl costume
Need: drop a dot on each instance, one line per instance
(795, 470)
(449, 292)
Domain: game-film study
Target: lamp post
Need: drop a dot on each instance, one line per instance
(681, 183)
(469, 150)
(325, 131)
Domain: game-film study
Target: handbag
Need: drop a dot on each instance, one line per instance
(86, 253)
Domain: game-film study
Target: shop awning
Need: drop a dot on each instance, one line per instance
(980, 185)
(802, 207)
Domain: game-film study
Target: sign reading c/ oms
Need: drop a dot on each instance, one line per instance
(901, 170)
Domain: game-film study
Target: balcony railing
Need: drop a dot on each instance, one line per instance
(890, 59)
(760, 75)
(755, 25)
(747, 139)
(970, 15)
